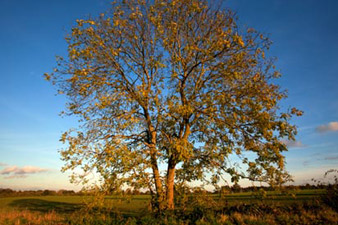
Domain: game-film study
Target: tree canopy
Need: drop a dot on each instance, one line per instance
(166, 92)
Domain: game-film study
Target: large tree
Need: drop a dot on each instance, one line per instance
(166, 92)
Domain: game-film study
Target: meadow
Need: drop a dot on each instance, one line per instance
(268, 207)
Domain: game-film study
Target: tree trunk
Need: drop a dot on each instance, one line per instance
(158, 186)
(159, 200)
(170, 185)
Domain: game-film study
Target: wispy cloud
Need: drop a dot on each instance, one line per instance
(331, 158)
(306, 163)
(20, 172)
(332, 126)
(3, 164)
(320, 158)
(293, 144)
(15, 176)
(306, 128)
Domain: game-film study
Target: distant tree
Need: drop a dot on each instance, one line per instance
(225, 190)
(136, 192)
(66, 192)
(173, 83)
(48, 192)
(236, 188)
(7, 192)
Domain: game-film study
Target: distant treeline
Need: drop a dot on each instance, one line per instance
(4, 192)
(7, 192)
(237, 188)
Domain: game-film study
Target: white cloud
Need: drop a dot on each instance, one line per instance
(17, 172)
(332, 126)
(293, 144)
(2, 164)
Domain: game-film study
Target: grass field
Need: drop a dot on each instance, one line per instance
(304, 204)
(134, 203)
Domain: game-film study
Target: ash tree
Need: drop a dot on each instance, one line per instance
(166, 92)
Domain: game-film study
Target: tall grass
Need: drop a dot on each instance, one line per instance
(19, 217)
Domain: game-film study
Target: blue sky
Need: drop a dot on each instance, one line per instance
(304, 35)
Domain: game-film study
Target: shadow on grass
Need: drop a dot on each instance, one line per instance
(45, 206)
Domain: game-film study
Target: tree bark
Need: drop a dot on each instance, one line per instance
(159, 200)
(158, 186)
(170, 185)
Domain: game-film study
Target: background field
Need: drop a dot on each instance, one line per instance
(134, 203)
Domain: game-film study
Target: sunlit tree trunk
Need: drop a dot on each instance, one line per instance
(158, 185)
(157, 178)
(170, 185)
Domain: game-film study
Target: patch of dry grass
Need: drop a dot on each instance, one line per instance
(18, 217)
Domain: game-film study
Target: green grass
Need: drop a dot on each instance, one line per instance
(69, 204)
(61, 204)
(137, 203)
(273, 196)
